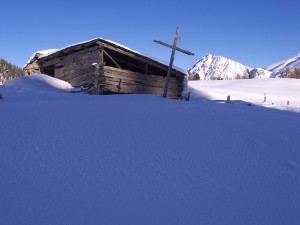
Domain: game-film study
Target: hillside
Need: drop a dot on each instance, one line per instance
(279, 67)
(9, 71)
(141, 159)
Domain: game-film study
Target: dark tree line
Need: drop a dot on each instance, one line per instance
(290, 73)
(9, 71)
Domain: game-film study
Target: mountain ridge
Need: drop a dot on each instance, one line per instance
(215, 67)
(279, 67)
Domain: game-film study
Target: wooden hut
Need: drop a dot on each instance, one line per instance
(107, 67)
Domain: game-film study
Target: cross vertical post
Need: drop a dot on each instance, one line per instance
(174, 49)
(176, 37)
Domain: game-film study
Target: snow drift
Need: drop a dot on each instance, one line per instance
(141, 159)
(36, 84)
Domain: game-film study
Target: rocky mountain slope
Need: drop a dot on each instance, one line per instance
(279, 67)
(9, 71)
(213, 67)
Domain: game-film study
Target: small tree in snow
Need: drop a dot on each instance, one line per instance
(196, 76)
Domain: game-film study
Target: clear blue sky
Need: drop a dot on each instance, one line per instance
(256, 33)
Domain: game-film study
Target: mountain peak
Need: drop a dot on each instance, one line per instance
(212, 67)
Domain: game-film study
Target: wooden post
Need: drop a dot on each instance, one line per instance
(174, 48)
(119, 85)
(98, 78)
(102, 56)
(101, 86)
(189, 95)
(265, 97)
(146, 68)
(228, 99)
(176, 37)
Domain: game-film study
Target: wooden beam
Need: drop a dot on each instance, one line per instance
(132, 64)
(140, 58)
(176, 37)
(112, 59)
(178, 49)
(146, 68)
(60, 55)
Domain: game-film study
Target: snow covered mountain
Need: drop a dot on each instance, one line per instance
(278, 67)
(259, 73)
(213, 67)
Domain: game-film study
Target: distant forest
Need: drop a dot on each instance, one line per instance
(290, 73)
(8, 71)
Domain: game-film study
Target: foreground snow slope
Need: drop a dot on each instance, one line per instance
(139, 159)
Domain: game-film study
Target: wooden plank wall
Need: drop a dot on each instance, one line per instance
(32, 68)
(124, 81)
(75, 68)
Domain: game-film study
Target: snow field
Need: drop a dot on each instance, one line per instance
(278, 91)
(140, 159)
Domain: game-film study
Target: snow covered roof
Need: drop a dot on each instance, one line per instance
(38, 54)
(52, 52)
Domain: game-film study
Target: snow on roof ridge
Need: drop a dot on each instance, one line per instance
(124, 47)
(35, 54)
(57, 50)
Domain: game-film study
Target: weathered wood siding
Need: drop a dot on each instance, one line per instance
(124, 81)
(75, 68)
(108, 68)
(32, 68)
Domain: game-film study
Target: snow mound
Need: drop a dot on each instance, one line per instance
(37, 84)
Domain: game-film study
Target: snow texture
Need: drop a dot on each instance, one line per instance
(141, 159)
(279, 93)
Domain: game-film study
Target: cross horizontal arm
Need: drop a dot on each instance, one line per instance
(170, 46)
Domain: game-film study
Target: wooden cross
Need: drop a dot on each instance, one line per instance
(174, 48)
